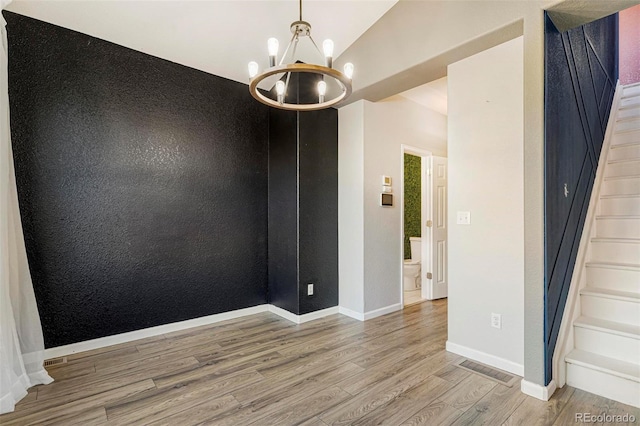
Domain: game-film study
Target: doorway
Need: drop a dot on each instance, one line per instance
(423, 216)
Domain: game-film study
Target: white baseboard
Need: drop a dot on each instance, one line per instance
(538, 391)
(350, 313)
(130, 336)
(371, 314)
(299, 319)
(116, 339)
(382, 311)
(485, 358)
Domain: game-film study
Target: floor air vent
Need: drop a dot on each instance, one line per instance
(55, 361)
(488, 372)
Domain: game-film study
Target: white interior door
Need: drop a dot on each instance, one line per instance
(435, 276)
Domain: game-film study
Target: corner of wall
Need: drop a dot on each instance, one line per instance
(351, 207)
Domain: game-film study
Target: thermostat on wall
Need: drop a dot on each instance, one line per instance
(386, 200)
(386, 180)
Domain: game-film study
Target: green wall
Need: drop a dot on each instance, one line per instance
(412, 201)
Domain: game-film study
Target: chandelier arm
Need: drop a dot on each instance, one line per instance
(293, 52)
(316, 46)
(286, 85)
(284, 55)
(293, 55)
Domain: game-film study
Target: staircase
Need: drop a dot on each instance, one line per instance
(605, 359)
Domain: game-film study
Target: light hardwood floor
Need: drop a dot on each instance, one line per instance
(412, 297)
(264, 370)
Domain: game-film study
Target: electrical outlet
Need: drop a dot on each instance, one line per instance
(309, 289)
(464, 218)
(496, 320)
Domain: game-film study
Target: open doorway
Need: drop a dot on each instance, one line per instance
(414, 205)
(423, 226)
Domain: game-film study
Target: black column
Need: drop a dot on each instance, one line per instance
(303, 205)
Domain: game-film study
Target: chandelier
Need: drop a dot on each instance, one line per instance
(282, 70)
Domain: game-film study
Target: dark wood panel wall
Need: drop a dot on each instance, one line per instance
(580, 78)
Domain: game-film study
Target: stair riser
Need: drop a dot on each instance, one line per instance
(618, 228)
(603, 384)
(628, 168)
(621, 153)
(614, 310)
(621, 186)
(629, 101)
(631, 91)
(628, 113)
(620, 206)
(624, 126)
(606, 344)
(613, 279)
(615, 252)
(628, 137)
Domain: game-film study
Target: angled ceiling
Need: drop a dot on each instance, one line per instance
(218, 37)
(432, 95)
(570, 14)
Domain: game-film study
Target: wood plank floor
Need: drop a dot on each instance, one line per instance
(264, 370)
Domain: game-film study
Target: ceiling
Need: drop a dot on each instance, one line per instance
(433, 95)
(218, 37)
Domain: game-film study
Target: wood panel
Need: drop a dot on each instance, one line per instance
(580, 78)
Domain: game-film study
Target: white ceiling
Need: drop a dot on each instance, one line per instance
(219, 37)
(433, 95)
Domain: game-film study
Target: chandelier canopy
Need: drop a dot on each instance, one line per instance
(328, 80)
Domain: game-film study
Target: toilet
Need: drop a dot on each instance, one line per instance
(411, 267)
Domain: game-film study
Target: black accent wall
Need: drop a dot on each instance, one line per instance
(144, 186)
(303, 205)
(580, 77)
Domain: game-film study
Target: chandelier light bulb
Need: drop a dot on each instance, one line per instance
(272, 46)
(322, 90)
(253, 69)
(280, 91)
(348, 70)
(327, 47)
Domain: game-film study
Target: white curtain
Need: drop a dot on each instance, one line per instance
(21, 342)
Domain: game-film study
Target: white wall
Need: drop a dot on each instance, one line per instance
(386, 126)
(350, 207)
(443, 32)
(486, 178)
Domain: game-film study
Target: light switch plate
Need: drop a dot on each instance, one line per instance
(386, 180)
(464, 218)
